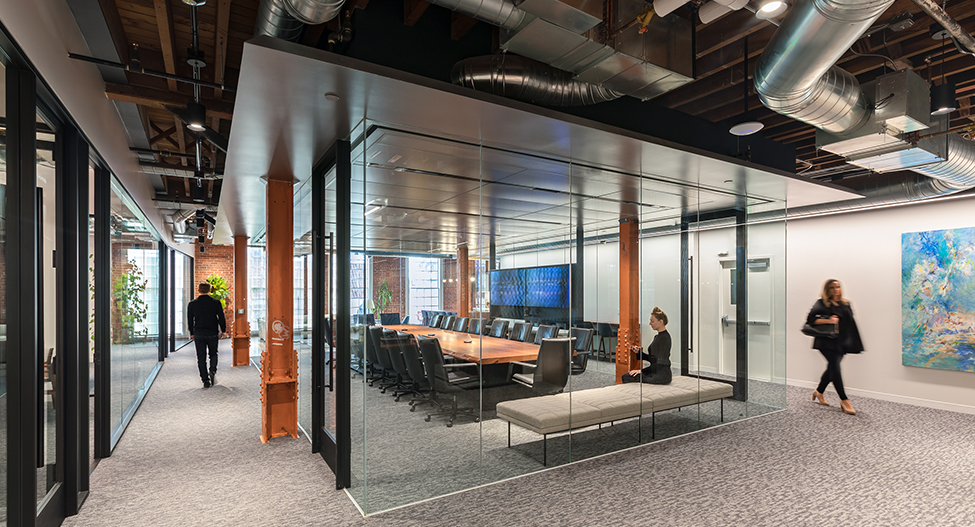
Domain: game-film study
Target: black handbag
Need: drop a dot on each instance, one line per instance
(820, 330)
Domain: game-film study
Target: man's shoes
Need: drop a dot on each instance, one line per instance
(206, 384)
(213, 377)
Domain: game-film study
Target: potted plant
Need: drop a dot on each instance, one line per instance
(128, 308)
(219, 289)
(383, 297)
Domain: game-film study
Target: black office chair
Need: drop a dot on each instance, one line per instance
(582, 348)
(389, 319)
(447, 322)
(425, 317)
(406, 320)
(377, 334)
(420, 386)
(435, 320)
(394, 345)
(605, 332)
(370, 319)
(377, 372)
(545, 332)
(520, 331)
(474, 326)
(550, 373)
(498, 329)
(447, 379)
(460, 324)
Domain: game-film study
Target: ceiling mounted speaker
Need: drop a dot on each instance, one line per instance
(943, 99)
(666, 7)
(711, 11)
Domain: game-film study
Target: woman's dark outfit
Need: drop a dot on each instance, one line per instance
(847, 341)
(658, 372)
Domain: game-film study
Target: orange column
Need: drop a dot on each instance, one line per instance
(463, 283)
(242, 328)
(629, 332)
(279, 361)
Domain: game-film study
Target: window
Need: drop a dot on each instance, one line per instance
(424, 276)
(357, 290)
(257, 283)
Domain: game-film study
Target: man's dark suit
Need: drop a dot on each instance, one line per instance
(207, 322)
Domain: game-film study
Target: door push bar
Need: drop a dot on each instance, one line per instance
(726, 322)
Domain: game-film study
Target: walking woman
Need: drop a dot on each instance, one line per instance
(832, 308)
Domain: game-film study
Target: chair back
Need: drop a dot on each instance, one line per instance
(498, 328)
(393, 344)
(389, 319)
(460, 324)
(447, 323)
(604, 329)
(406, 320)
(545, 332)
(583, 340)
(435, 320)
(411, 354)
(552, 366)
(370, 319)
(374, 352)
(520, 331)
(433, 362)
(474, 326)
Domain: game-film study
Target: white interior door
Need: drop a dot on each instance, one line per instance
(759, 318)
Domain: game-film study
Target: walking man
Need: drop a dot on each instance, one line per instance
(207, 323)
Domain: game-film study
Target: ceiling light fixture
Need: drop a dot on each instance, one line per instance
(943, 95)
(746, 128)
(771, 8)
(331, 96)
(196, 117)
(375, 205)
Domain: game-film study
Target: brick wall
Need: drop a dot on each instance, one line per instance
(450, 289)
(218, 260)
(393, 271)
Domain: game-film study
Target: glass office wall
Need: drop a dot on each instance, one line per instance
(257, 301)
(303, 302)
(48, 302)
(3, 304)
(183, 292)
(135, 307)
(565, 244)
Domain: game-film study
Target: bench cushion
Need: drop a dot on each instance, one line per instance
(547, 414)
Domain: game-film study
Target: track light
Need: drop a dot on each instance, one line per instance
(196, 117)
(943, 99)
(771, 9)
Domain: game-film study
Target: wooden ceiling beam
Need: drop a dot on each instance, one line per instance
(460, 25)
(167, 38)
(154, 98)
(728, 29)
(181, 138)
(162, 135)
(413, 10)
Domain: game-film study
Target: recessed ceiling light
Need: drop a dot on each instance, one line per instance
(771, 9)
(331, 96)
(746, 128)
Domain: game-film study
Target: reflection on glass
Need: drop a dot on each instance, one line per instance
(303, 302)
(48, 297)
(135, 283)
(183, 291)
(257, 301)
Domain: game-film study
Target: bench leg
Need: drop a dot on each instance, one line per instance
(722, 410)
(653, 426)
(544, 450)
(509, 434)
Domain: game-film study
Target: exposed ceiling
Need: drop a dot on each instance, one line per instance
(721, 90)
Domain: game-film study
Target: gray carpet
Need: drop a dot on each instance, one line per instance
(192, 456)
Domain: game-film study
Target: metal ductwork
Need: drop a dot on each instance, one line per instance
(797, 77)
(274, 19)
(314, 12)
(527, 80)
(500, 13)
(963, 40)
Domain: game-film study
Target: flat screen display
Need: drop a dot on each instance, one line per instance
(531, 287)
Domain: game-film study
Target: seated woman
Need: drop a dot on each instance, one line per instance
(658, 372)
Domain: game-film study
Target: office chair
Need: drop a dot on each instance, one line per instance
(520, 331)
(605, 332)
(421, 382)
(394, 345)
(389, 319)
(474, 326)
(582, 348)
(406, 320)
(550, 372)
(460, 324)
(447, 322)
(545, 332)
(377, 334)
(447, 379)
(498, 328)
(377, 372)
(435, 320)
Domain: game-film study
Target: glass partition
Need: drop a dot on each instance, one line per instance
(48, 299)
(303, 302)
(183, 293)
(134, 307)
(3, 302)
(530, 279)
(257, 299)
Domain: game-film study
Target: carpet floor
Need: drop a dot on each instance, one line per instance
(192, 456)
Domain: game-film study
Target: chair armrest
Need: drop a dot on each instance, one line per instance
(458, 364)
(525, 364)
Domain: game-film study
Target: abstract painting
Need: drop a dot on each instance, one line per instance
(938, 299)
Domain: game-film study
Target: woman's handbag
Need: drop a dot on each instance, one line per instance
(820, 330)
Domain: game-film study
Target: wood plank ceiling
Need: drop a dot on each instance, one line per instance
(160, 30)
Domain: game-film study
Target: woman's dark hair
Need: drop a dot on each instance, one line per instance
(659, 314)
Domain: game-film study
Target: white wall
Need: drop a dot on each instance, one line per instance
(863, 251)
(46, 31)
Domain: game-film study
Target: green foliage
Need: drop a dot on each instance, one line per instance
(219, 289)
(128, 308)
(383, 296)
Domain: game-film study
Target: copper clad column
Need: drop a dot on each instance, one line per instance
(242, 328)
(463, 283)
(629, 332)
(279, 362)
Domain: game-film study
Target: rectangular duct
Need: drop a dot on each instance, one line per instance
(575, 15)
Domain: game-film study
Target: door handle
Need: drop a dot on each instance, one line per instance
(725, 321)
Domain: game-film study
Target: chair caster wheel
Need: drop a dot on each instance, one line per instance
(427, 418)
(449, 425)
(383, 390)
(396, 399)
(477, 419)
(412, 408)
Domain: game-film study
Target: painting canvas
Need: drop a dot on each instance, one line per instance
(938, 299)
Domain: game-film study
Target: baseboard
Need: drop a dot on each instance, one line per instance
(915, 401)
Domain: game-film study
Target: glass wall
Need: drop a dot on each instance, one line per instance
(536, 246)
(134, 307)
(3, 302)
(183, 291)
(48, 302)
(302, 302)
(257, 301)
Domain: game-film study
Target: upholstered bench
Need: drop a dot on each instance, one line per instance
(568, 411)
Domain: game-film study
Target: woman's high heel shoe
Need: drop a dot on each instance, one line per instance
(847, 407)
(818, 397)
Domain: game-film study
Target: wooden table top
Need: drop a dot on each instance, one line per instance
(482, 349)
